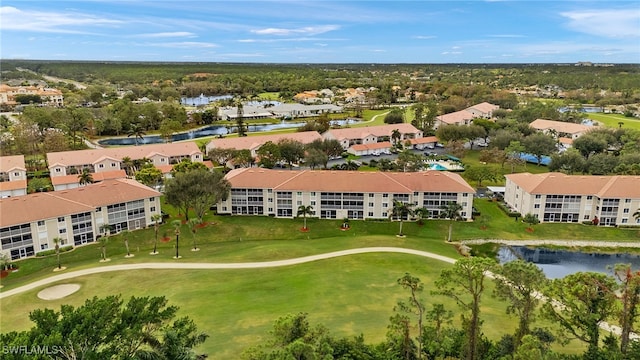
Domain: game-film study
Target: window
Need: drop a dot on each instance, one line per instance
(62, 231)
(371, 195)
(385, 205)
(538, 196)
(299, 193)
(385, 195)
(57, 169)
(384, 214)
(589, 197)
(536, 206)
(61, 219)
(44, 246)
(113, 164)
(99, 210)
(625, 200)
(299, 202)
(162, 159)
(40, 222)
(152, 209)
(100, 166)
(624, 221)
(370, 204)
(586, 217)
(313, 203)
(625, 211)
(16, 174)
(313, 193)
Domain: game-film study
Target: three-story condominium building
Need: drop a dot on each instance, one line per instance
(557, 197)
(342, 194)
(372, 134)
(28, 224)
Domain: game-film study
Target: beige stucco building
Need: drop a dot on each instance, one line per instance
(557, 197)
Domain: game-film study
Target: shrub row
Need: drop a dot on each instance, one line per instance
(53, 251)
(507, 211)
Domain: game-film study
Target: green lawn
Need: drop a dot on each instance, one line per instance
(613, 120)
(472, 158)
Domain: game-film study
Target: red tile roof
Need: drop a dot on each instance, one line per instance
(617, 186)
(8, 163)
(253, 142)
(377, 131)
(47, 205)
(348, 181)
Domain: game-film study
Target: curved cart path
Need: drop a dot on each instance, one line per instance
(212, 266)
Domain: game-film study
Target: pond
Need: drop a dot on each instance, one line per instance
(212, 130)
(560, 263)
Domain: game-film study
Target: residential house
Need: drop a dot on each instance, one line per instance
(96, 161)
(342, 194)
(371, 134)
(13, 176)
(465, 117)
(370, 149)
(28, 224)
(49, 96)
(557, 197)
(253, 143)
(560, 129)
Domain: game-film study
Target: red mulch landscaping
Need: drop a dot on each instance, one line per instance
(4, 274)
(344, 228)
(304, 229)
(529, 230)
(201, 225)
(165, 239)
(483, 227)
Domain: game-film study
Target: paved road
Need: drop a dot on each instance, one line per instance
(212, 266)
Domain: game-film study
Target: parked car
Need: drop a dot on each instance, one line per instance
(430, 146)
(439, 145)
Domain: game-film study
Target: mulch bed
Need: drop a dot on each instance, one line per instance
(165, 239)
(304, 229)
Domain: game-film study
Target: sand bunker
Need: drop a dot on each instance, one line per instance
(58, 291)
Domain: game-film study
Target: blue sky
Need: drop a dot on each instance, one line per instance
(492, 31)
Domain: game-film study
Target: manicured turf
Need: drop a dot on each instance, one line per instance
(350, 295)
(472, 158)
(612, 120)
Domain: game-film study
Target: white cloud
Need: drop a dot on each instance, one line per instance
(300, 39)
(185, 45)
(167, 34)
(307, 30)
(50, 22)
(424, 37)
(607, 23)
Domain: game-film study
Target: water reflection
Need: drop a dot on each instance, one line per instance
(560, 263)
(213, 130)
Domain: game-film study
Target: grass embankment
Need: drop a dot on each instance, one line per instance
(613, 120)
(472, 159)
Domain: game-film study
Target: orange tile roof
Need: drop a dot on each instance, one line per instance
(378, 131)
(13, 185)
(565, 140)
(424, 140)
(90, 156)
(456, 117)
(559, 126)
(372, 146)
(8, 163)
(100, 176)
(253, 142)
(47, 205)
(348, 181)
(484, 107)
(617, 186)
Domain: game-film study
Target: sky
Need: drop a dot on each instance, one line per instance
(315, 31)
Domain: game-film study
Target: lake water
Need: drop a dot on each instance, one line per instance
(212, 130)
(560, 263)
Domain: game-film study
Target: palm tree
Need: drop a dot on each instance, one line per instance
(421, 213)
(85, 178)
(125, 235)
(240, 119)
(137, 132)
(57, 241)
(193, 226)
(451, 211)
(636, 215)
(305, 210)
(103, 247)
(401, 211)
(156, 226)
(395, 136)
(127, 164)
(176, 225)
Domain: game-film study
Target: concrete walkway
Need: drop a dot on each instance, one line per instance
(214, 266)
